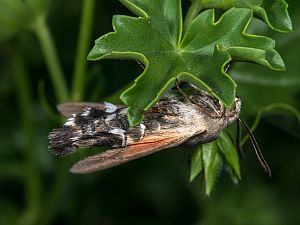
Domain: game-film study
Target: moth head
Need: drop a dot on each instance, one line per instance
(233, 113)
(212, 107)
(208, 103)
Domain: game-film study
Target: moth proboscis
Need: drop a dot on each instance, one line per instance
(174, 121)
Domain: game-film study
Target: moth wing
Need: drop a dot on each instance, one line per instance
(69, 108)
(114, 157)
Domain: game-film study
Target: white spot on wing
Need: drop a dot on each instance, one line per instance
(117, 131)
(143, 128)
(120, 132)
(74, 138)
(158, 127)
(86, 112)
(109, 107)
(70, 122)
(96, 121)
(110, 117)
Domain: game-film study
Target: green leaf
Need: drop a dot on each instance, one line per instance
(232, 174)
(260, 88)
(212, 164)
(16, 15)
(229, 151)
(196, 163)
(199, 57)
(273, 12)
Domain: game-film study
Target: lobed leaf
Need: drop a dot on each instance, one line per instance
(261, 88)
(199, 57)
(273, 12)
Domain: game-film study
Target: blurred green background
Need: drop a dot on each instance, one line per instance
(36, 187)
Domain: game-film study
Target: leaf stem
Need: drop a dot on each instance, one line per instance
(268, 109)
(33, 182)
(57, 77)
(79, 76)
(50, 54)
(195, 7)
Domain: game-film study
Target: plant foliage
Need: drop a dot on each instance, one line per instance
(197, 55)
(16, 15)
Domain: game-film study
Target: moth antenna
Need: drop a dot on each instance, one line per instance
(181, 91)
(257, 150)
(238, 139)
(188, 97)
(141, 64)
(227, 67)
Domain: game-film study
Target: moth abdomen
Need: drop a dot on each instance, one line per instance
(87, 128)
(66, 140)
(61, 141)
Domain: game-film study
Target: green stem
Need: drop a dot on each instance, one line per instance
(194, 9)
(53, 200)
(13, 171)
(82, 49)
(33, 185)
(49, 51)
(268, 109)
(45, 104)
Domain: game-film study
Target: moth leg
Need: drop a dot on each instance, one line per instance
(238, 140)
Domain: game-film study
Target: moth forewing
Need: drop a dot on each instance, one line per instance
(171, 122)
(114, 157)
(70, 108)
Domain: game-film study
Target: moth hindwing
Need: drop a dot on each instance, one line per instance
(174, 120)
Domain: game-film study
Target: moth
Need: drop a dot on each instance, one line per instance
(178, 119)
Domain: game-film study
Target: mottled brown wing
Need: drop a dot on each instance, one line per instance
(69, 108)
(114, 157)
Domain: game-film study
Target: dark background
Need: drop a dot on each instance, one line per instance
(154, 189)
